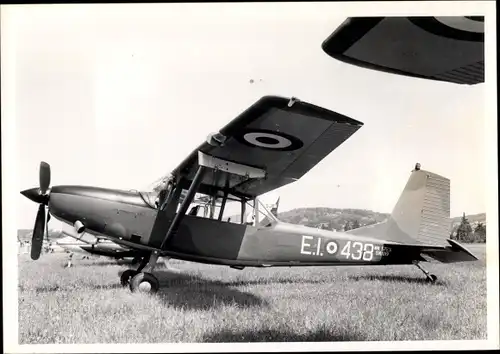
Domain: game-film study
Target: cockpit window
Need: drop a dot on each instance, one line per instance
(256, 213)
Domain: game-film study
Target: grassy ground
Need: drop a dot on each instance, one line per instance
(86, 304)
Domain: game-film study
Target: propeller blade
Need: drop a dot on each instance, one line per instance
(44, 177)
(38, 231)
(47, 225)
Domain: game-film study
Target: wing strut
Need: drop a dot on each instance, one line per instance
(243, 207)
(185, 204)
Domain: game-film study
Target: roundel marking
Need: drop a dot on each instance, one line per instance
(331, 247)
(269, 140)
(462, 23)
(454, 27)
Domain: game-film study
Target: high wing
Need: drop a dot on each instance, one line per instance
(273, 143)
(449, 49)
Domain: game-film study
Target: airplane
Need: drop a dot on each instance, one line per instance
(273, 143)
(448, 49)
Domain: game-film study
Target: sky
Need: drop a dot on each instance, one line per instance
(118, 97)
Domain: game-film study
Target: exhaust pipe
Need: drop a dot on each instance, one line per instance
(79, 227)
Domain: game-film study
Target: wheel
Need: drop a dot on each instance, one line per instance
(144, 282)
(126, 275)
(432, 278)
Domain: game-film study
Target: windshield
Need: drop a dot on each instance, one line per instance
(150, 193)
(266, 217)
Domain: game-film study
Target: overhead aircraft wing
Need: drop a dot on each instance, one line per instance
(280, 138)
(447, 49)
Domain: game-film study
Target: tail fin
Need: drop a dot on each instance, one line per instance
(421, 215)
(275, 206)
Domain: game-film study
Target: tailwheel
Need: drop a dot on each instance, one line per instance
(145, 283)
(432, 278)
(126, 276)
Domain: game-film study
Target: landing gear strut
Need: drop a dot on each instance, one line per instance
(430, 277)
(141, 280)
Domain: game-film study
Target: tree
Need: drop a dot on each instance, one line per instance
(480, 233)
(347, 226)
(355, 224)
(464, 231)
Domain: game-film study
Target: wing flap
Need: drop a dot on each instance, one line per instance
(285, 138)
(447, 49)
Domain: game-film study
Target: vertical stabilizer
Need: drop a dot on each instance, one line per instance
(421, 215)
(274, 207)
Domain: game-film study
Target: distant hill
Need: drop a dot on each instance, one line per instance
(335, 219)
(474, 218)
(331, 218)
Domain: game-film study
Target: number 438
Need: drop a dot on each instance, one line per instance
(356, 251)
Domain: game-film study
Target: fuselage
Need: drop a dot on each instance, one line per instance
(126, 218)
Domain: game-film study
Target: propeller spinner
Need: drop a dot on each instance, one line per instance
(40, 195)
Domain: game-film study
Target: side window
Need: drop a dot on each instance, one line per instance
(232, 213)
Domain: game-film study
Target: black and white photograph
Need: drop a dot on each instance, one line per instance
(249, 176)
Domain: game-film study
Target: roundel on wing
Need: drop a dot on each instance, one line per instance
(269, 140)
(466, 28)
(467, 23)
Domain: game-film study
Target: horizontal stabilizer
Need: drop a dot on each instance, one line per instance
(451, 254)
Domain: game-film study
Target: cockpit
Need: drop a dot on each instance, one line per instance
(225, 208)
(251, 212)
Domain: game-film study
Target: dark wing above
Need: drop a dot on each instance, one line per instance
(447, 49)
(280, 138)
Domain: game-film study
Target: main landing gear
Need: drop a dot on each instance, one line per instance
(141, 280)
(430, 277)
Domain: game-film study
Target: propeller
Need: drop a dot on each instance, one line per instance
(40, 195)
(44, 177)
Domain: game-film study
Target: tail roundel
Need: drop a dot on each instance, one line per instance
(421, 215)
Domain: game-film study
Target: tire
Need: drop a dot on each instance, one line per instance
(144, 282)
(126, 276)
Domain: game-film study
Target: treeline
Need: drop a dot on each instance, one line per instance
(467, 233)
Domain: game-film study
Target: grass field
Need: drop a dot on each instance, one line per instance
(86, 304)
